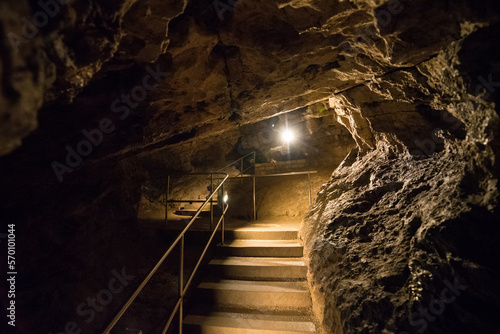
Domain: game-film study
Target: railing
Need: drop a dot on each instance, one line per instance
(180, 239)
(241, 161)
(279, 174)
(211, 177)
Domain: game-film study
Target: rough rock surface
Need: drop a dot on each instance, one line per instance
(400, 237)
(225, 67)
(52, 50)
(388, 232)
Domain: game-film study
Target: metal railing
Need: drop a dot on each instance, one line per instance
(279, 174)
(211, 177)
(180, 239)
(241, 161)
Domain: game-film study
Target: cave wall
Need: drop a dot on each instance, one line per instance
(404, 236)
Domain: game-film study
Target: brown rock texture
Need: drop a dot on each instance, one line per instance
(387, 235)
(399, 237)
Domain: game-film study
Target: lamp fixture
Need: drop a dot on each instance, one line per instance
(287, 135)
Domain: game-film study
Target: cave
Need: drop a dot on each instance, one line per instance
(308, 166)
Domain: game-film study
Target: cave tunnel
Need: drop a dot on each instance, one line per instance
(250, 166)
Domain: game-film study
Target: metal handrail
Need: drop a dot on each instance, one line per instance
(180, 238)
(183, 290)
(211, 177)
(284, 174)
(241, 163)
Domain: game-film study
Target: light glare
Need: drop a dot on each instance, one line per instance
(287, 135)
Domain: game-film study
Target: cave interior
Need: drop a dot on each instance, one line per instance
(386, 110)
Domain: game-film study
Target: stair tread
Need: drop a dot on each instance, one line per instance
(263, 228)
(262, 243)
(245, 311)
(265, 322)
(258, 261)
(257, 286)
(262, 234)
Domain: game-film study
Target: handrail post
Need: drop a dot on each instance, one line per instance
(309, 183)
(211, 201)
(223, 213)
(253, 191)
(181, 284)
(166, 200)
(241, 171)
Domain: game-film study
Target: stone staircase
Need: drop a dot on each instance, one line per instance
(256, 284)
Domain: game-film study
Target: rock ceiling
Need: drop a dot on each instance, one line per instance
(220, 63)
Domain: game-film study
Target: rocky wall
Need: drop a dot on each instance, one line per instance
(404, 236)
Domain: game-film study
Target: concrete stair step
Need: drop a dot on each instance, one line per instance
(259, 268)
(252, 233)
(256, 285)
(258, 248)
(207, 309)
(271, 295)
(243, 323)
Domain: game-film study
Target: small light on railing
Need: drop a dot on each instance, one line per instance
(225, 197)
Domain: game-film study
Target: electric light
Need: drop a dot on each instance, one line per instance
(287, 136)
